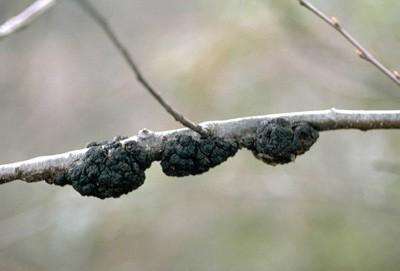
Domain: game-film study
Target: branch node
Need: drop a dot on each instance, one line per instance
(396, 74)
(145, 133)
(335, 22)
(362, 55)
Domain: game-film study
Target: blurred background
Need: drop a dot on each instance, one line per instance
(62, 85)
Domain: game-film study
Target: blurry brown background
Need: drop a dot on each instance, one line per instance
(62, 84)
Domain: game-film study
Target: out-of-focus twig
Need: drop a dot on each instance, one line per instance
(102, 22)
(388, 167)
(26, 17)
(360, 50)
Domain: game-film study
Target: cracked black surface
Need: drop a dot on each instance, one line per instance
(108, 171)
(185, 155)
(279, 141)
(111, 169)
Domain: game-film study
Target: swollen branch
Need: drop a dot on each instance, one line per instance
(117, 167)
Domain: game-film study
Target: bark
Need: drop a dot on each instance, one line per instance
(46, 167)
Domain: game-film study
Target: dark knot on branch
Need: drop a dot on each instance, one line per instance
(185, 155)
(111, 169)
(108, 171)
(279, 141)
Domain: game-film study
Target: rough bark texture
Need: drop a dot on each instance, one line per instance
(235, 131)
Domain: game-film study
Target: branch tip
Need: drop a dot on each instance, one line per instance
(361, 51)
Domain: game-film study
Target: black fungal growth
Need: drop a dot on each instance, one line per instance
(185, 155)
(111, 169)
(108, 171)
(279, 141)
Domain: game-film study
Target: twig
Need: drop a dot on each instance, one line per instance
(26, 17)
(102, 22)
(361, 51)
(46, 167)
(388, 167)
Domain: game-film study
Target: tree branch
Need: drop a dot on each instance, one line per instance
(361, 51)
(46, 167)
(102, 22)
(26, 17)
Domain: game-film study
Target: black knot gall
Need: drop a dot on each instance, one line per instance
(184, 155)
(108, 171)
(279, 141)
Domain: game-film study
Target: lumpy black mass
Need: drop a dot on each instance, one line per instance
(185, 155)
(108, 171)
(279, 141)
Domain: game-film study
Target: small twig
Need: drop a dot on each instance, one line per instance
(26, 17)
(102, 22)
(360, 50)
(46, 167)
(388, 167)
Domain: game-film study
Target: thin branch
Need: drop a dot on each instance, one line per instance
(387, 167)
(26, 17)
(102, 22)
(46, 167)
(361, 51)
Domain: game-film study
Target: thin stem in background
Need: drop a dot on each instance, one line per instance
(361, 51)
(25, 17)
(102, 22)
